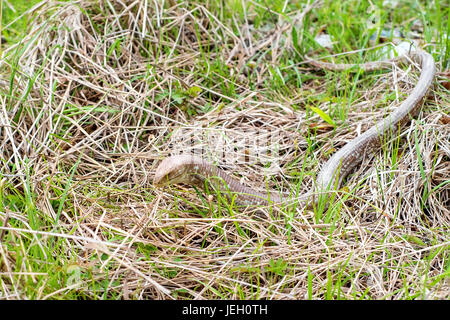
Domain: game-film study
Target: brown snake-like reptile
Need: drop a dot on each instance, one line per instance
(192, 170)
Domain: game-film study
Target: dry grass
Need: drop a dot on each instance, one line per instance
(96, 95)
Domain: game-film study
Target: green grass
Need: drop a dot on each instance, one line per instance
(74, 212)
(14, 20)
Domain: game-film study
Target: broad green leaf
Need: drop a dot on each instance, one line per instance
(323, 115)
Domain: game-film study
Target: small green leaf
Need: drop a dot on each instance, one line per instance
(178, 97)
(193, 91)
(220, 106)
(295, 40)
(413, 239)
(323, 115)
(277, 267)
(161, 96)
